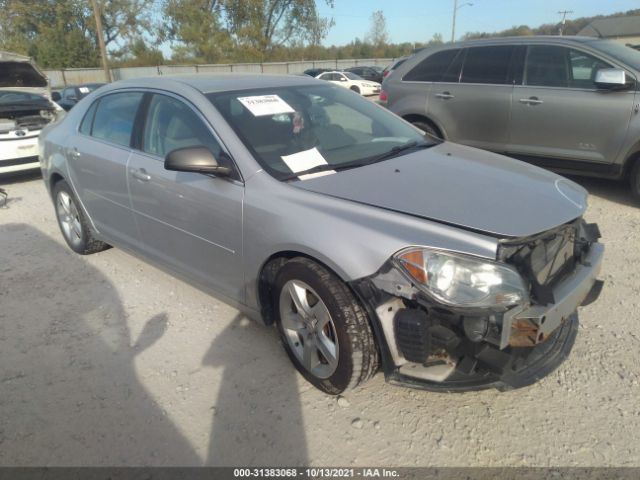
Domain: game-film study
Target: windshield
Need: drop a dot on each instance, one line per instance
(352, 76)
(20, 74)
(624, 54)
(10, 97)
(294, 129)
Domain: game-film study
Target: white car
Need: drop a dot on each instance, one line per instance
(25, 108)
(351, 81)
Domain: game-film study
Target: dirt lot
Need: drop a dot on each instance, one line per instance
(105, 360)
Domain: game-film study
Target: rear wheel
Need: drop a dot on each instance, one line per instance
(356, 89)
(324, 329)
(75, 228)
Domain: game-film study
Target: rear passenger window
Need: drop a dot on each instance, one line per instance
(171, 125)
(85, 126)
(432, 68)
(547, 66)
(487, 65)
(115, 116)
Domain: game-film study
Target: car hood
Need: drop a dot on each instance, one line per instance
(461, 186)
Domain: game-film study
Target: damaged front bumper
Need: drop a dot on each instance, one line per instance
(433, 347)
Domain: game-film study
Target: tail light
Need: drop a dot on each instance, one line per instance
(385, 73)
(383, 97)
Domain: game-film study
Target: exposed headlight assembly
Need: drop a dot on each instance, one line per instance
(462, 281)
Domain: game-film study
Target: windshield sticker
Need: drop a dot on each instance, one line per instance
(261, 105)
(305, 160)
(84, 89)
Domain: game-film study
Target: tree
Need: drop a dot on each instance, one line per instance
(195, 26)
(378, 35)
(436, 39)
(215, 30)
(62, 32)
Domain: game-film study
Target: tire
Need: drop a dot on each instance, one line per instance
(355, 89)
(73, 223)
(335, 323)
(634, 180)
(428, 128)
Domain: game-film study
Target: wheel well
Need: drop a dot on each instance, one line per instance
(55, 178)
(629, 164)
(413, 117)
(355, 88)
(267, 276)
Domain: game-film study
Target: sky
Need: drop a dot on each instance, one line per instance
(418, 20)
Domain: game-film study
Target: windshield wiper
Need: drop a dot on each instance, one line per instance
(360, 163)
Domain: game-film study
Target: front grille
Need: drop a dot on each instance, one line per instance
(544, 259)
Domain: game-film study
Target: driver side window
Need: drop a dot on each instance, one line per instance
(171, 124)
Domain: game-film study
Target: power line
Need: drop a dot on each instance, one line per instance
(564, 14)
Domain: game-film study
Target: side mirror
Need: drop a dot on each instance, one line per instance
(611, 78)
(195, 159)
(55, 96)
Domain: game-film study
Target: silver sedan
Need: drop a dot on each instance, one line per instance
(367, 243)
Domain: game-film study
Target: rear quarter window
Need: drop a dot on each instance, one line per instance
(432, 68)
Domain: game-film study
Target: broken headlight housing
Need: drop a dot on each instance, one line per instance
(461, 280)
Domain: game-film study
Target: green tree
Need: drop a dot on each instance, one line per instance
(247, 30)
(61, 33)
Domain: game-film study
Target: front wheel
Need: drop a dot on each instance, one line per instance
(74, 225)
(324, 329)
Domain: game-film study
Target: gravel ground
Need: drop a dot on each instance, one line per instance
(106, 360)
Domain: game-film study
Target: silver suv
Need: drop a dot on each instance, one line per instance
(566, 103)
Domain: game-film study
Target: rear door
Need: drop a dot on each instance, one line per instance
(471, 101)
(191, 222)
(560, 117)
(97, 156)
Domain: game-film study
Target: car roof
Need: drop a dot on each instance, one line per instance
(523, 39)
(218, 82)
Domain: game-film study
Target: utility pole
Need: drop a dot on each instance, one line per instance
(103, 48)
(455, 12)
(564, 14)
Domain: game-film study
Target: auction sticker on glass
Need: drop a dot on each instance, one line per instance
(261, 105)
(305, 160)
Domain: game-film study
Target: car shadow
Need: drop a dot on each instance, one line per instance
(255, 422)
(70, 392)
(20, 177)
(71, 395)
(614, 190)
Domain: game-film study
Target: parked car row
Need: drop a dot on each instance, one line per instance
(570, 104)
(368, 244)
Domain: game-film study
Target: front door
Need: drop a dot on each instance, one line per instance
(558, 114)
(189, 221)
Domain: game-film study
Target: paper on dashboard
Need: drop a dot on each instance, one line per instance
(301, 161)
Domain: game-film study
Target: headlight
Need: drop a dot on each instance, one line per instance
(463, 281)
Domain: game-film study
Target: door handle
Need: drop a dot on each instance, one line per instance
(75, 153)
(141, 175)
(531, 101)
(445, 95)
